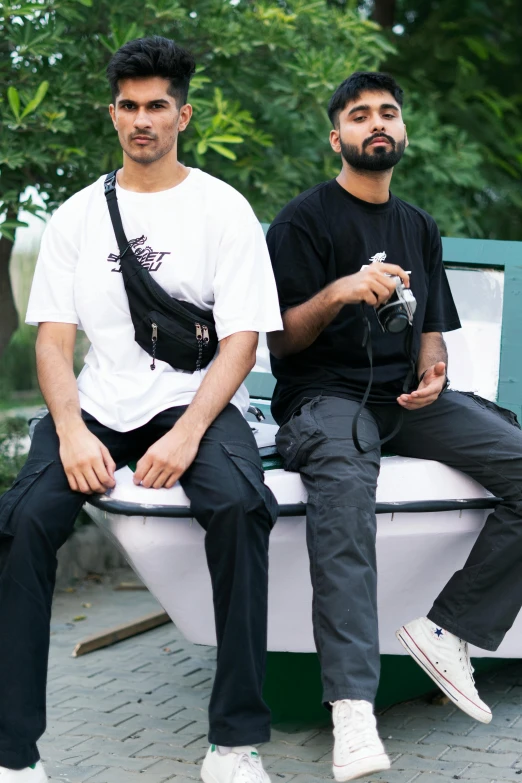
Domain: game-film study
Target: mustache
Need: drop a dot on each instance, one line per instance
(367, 142)
(142, 136)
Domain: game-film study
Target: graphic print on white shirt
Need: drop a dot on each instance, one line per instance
(147, 257)
(213, 254)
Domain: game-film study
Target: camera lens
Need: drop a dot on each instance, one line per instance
(396, 322)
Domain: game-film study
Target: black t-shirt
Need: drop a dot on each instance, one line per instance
(324, 234)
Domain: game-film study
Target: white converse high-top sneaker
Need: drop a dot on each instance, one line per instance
(445, 658)
(358, 750)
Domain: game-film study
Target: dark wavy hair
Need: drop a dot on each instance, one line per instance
(153, 56)
(358, 82)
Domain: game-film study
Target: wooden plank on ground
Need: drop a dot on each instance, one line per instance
(130, 586)
(120, 632)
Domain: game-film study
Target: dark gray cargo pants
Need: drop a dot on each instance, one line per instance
(479, 603)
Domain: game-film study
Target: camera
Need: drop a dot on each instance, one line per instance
(397, 313)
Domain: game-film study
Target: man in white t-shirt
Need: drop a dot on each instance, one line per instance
(201, 242)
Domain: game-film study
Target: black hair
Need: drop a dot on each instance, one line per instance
(358, 82)
(154, 56)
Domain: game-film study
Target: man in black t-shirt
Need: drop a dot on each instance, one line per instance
(338, 251)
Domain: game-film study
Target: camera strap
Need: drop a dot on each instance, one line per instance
(367, 343)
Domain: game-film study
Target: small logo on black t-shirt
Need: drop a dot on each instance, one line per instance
(149, 258)
(380, 257)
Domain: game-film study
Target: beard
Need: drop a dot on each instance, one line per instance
(147, 155)
(380, 159)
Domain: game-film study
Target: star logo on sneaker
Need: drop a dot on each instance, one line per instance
(439, 633)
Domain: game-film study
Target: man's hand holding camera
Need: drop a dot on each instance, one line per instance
(433, 381)
(373, 284)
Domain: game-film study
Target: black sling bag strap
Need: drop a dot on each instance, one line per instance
(367, 343)
(168, 329)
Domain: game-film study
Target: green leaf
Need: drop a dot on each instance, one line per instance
(228, 139)
(477, 47)
(14, 102)
(223, 151)
(36, 101)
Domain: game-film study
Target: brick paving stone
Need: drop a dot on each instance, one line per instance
(122, 762)
(481, 757)
(390, 776)
(471, 741)
(158, 736)
(138, 710)
(321, 769)
(95, 716)
(70, 774)
(121, 732)
(128, 747)
(404, 735)
(454, 726)
(426, 777)
(412, 761)
(499, 775)
(492, 730)
(177, 768)
(288, 750)
(299, 737)
(158, 749)
(508, 744)
(114, 775)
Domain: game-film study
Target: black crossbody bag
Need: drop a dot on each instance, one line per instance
(168, 329)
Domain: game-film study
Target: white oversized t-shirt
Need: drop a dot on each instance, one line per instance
(202, 243)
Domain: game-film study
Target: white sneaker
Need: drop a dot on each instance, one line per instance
(239, 765)
(445, 658)
(34, 774)
(358, 751)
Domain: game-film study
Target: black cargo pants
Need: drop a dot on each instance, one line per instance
(230, 501)
(480, 602)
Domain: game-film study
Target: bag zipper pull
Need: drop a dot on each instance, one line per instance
(154, 341)
(199, 338)
(206, 336)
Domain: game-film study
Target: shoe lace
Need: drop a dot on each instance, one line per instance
(465, 659)
(355, 728)
(249, 769)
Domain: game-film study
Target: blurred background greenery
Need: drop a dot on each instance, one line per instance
(266, 70)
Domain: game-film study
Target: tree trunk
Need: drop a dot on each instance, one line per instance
(8, 313)
(384, 12)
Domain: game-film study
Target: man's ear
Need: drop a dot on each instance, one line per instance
(112, 112)
(185, 113)
(406, 139)
(335, 140)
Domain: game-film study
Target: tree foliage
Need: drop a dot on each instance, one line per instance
(266, 69)
(265, 72)
(461, 61)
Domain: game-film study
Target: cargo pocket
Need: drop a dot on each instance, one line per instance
(250, 468)
(296, 439)
(504, 413)
(31, 472)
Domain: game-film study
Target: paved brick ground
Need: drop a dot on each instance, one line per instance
(137, 712)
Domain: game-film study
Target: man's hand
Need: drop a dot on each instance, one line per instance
(88, 464)
(429, 389)
(372, 285)
(168, 458)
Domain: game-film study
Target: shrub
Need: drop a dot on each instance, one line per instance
(13, 449)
